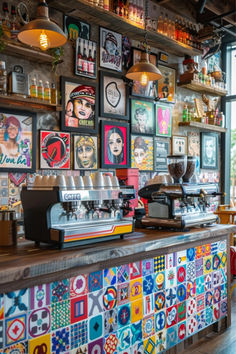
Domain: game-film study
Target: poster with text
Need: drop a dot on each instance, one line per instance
(110, 49)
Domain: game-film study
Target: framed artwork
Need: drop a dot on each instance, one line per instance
(193, 144)
(113, 96)
(142, 152)
(54, 150)
(166, 85)
(86, 58)
(17, 141)
(126, 52)
(144, 177)
(161, 151)
(137, 56)
(85, 152)
(142, 116)
(79, 106)
(209, 151)
(163, 118)
(115, 145)
(179, 145)
(75, 28)
(110, 49)
(148, 91)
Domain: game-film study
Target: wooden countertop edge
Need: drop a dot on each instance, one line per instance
(28, 265)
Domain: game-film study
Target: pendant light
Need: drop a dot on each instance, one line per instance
(144, 71)
(42, 32)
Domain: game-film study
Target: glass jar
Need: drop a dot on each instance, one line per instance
(177, 166)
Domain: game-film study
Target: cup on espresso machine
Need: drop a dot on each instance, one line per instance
(8, 227)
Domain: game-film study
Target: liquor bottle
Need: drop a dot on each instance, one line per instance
(40, 90)
(160, 24)
(53, 94)
(106, 5)
(90, 63)
(180, 30)
(138, 12)
(169, 29)
(116, 8)
(134, 10)
(176, 29)
(130, 15)
(84, 59)
(165, 25)
(141, 13)
(94, 58)
(6, 24)
(185, 113)
(34, 88)
(14, 27)
(183, 32)
(79, 58)
(121, 8)
(47, 92)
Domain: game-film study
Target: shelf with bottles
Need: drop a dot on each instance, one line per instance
(31, 104)
(198, 86)
(100, 16)
(203, 126)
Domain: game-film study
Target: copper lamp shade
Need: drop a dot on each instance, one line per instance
(42, 32)
(144, 67)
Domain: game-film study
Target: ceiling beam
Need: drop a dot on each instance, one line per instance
(216, 10)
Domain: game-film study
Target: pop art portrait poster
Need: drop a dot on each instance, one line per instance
(54, 150)
(110, 49)
(75, 28)
(114, 145)
(142, 116)
(17, 141)
(79, 106)
(142, 152)
(163, 119)
(85, 152)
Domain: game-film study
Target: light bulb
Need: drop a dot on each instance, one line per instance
(44, 41)
(144, 79)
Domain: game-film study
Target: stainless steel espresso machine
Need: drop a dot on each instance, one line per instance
(69, 211)
(179, 205)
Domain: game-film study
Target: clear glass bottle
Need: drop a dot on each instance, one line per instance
(3, 78)
(53, 94)
(47, 92)
(185, 113)
(160, 24)
(34, 89)
(6, 24)
(40, 90)
(165, 25)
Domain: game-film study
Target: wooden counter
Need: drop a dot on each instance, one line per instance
(29, 265)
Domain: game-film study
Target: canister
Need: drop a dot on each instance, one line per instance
(8, 228)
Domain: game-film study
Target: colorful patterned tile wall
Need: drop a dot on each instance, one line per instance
(141, 307)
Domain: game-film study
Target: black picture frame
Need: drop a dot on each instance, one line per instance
(89, 69)
(17, 118)
(142, 152)
(69, 122)
(88, 141)
(161, 151)
(209, 151)
(84, 33)
(107, 109)
(106, 162)
(135, 102)
(112, 61)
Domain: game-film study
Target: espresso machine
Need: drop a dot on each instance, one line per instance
(179, 205)
(70, 211)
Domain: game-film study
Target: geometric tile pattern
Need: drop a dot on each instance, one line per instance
(146, 306)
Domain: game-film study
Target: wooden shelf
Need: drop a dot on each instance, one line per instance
(19, 50)
(99, 16)
(28, 104)
(196, 86)
(203, 126)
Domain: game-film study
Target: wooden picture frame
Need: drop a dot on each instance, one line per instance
(115, 144)
(114, 96)
(161, 151)
(74, 27)
(142, 154)
(17, 140)
(85, 148)
(209, 151)
(55, 150)
(79, 106)
(142, 116)
(88, 67)
(167, 84)
(179, 145)
(110, 49)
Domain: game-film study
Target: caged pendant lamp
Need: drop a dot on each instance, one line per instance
(144, 71)
(42, 32)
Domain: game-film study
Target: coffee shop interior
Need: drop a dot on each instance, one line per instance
(117, 176)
